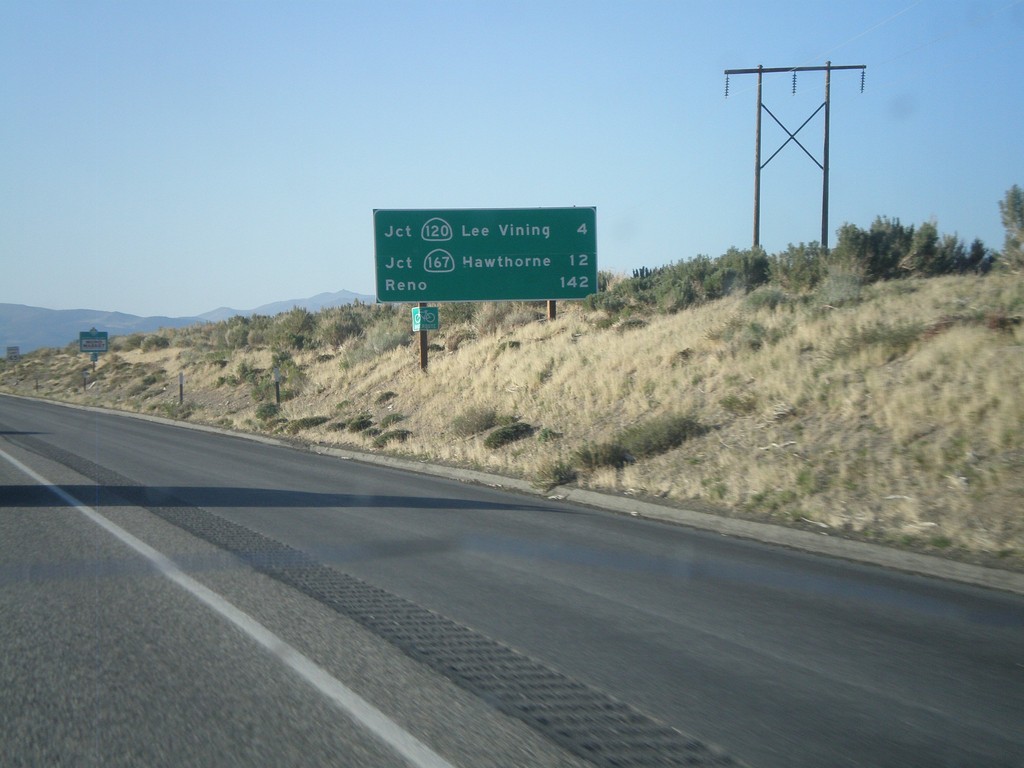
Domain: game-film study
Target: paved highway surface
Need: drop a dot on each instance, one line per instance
(572, 635)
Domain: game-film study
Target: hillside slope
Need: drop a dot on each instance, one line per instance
(897, 417)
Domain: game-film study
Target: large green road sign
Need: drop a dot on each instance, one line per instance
(485, 254)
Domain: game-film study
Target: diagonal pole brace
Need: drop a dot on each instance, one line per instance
(792, 136)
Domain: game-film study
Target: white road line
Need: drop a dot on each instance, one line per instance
(380, 725)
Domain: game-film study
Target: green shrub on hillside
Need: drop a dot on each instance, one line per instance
(293, 329)
(739, 404)
(128, 343)
(177, 410)
(799, 268)
(508, 434)
(392, 436)
(248, 373)
(306, 422)
(389, 331)
(360, 423)
(609, 454)
(1011, 211)
(650, 438)
(337, 325)
(391, 418)
(261, 381)
(766, 297)
(557, 472)
(643, 440)
(153, 341)
(685, 284)
(457, 313)
(886, 250)
(233, 333)
(267, 411)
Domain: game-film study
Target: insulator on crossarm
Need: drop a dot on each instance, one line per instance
(862, 73)
(727, 86)
(794, 82)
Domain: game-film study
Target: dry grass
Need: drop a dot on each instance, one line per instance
(898, 417)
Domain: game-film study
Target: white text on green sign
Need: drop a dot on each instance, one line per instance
(92, 341)
(485, 254)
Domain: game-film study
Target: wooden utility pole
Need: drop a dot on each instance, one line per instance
(824, 160)
(823, 165)
(757, 163)
(423, 342)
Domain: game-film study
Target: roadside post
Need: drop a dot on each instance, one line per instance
(424, 319)
(277, 385)
(181, 388)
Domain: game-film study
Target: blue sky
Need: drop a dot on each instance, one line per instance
(167, 158)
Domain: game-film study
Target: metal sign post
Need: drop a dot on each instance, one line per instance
(424, 347)
(424, 319)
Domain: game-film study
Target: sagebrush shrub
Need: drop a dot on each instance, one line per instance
(474, 420)
(659, 435)
(595, 455)
(393, 436)
(508, 434)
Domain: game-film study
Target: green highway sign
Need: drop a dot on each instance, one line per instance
(92, 341)
(425, 319)
(485, 254)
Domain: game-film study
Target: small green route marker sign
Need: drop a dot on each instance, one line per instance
(510, 254)
(425, 319)
(92, 341)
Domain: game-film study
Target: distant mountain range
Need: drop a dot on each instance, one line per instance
(30, 328)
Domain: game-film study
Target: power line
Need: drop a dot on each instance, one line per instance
(869, 30)
(952, 33)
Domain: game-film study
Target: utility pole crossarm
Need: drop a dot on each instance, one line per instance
(769, 70)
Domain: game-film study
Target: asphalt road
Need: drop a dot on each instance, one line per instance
(777, 658)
